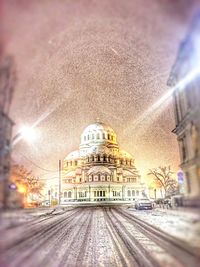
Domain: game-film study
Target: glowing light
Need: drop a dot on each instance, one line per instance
(21, 189)
(26, 133)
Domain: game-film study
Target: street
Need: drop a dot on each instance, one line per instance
(91, 236)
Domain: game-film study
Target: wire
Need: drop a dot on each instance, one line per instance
(36, 164)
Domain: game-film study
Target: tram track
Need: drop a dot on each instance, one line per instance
(173, 246)
(49, 242)
(88, 237)
(34, 234)
(139, 256)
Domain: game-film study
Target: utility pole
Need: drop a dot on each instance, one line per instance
(59, 184)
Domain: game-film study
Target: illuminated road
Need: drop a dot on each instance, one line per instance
(89, 236)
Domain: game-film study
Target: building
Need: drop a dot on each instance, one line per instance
(187, 112)
(100, 170)
(7, 80)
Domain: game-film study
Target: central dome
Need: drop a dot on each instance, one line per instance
(98, 126)
(97, 133)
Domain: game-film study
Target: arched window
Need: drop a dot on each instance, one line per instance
(137, 193)
(88, 137)
(104, 137)
(92, 158)
(98, 158)
(133, 193)
(71, 163)
(104, 157)
(129, 193)
(99, 177)
(98, 136)
(69, 194)
(65, 194)
(76, 162)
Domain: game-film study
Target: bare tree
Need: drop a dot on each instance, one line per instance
(22, 177)
(163, 178)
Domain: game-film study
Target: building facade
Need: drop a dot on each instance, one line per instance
(100, 170)
(187, 112)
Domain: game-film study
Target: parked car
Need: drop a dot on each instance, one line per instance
(143, 203)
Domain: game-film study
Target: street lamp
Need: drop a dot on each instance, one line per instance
(27, 133)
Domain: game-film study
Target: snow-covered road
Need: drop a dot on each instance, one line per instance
(87, 236)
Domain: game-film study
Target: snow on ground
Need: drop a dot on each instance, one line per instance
(183, 224)
(13, 218)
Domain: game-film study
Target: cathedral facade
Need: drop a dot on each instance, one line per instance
(100, 170)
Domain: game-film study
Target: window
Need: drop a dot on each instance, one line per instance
(65, 194)
(104, 137)
(116, 194)
(92, 136)
(137, 193)
(108, 136)
(84, 138)
(76, 163)
(117, 179)
(98, 157)
(98, 136)
(69, 194)
(55, 194)
(133, 193)
(88, 137)
(129, 193)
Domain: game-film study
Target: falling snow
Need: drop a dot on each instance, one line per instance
(79, 60)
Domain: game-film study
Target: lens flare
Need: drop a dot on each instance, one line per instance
(157, 105)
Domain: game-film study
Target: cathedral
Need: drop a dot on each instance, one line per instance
(100, 170)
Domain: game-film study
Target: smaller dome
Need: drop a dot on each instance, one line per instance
(73, 155)
(125, 154)
(99, 169)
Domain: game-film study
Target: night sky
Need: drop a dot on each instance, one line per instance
(79, 60)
